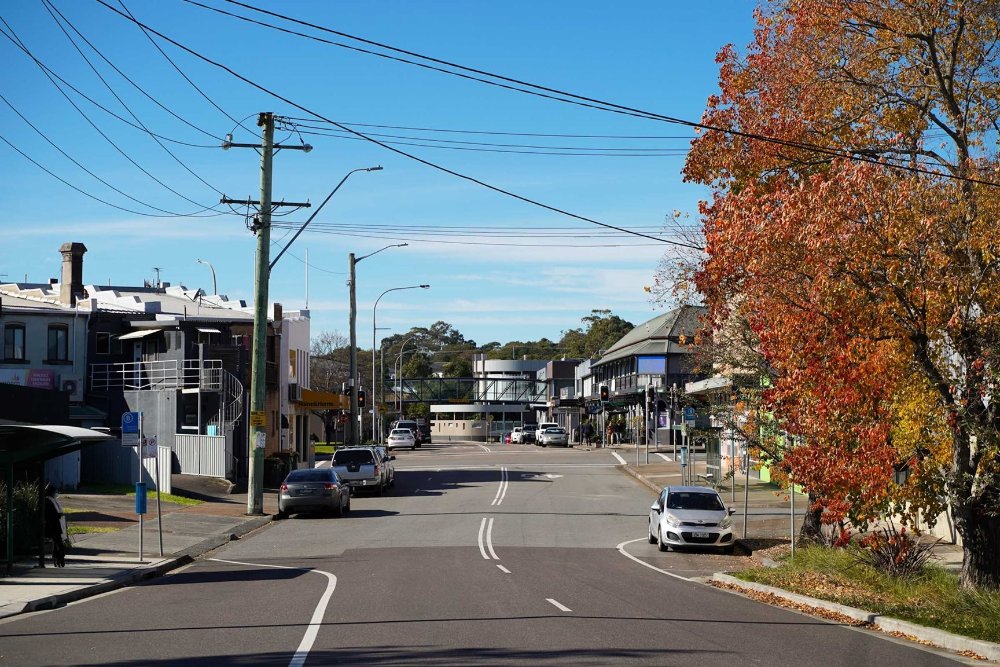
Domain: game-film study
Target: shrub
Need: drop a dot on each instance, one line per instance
(894, 551)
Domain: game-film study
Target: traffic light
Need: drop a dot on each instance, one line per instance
(362, 395)
(651, 393)
(604, 392)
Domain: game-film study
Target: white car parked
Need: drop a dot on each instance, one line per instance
(691, 516)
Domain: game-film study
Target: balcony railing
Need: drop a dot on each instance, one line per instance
(206, 375)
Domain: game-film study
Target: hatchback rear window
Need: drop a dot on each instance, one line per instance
(346, 456)
(312, 475)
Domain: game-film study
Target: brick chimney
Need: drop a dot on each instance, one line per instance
(71, 285)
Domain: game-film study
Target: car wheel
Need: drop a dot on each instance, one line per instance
(651, 537)
(347, 506)
(661, 545)
(340, 509)
(279, 515)
(413, 447)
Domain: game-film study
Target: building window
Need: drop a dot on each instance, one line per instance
(58, 343)
(102, 343)
(13, 342)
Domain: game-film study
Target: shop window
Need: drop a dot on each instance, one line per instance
(58, 348)
(13, 342)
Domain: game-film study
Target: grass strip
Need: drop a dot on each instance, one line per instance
(934, 598)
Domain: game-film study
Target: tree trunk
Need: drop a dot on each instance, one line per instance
(812, 525)
(980, 547)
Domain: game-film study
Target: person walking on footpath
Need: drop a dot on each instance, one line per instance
(55, 526)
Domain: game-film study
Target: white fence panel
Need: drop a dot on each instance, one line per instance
(163, 484)
(201, 454)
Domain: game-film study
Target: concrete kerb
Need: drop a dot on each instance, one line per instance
(939, 638)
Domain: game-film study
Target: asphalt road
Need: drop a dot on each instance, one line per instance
(494, 555)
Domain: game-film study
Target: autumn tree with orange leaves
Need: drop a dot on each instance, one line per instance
(852, 151)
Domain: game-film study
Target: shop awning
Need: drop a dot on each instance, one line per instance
(141, 333)
(323, 400)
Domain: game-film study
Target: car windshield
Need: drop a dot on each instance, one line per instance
(347, 456)
(692, 500)
(311, 475)
(400, 432)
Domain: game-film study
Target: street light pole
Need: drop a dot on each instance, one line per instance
(215, 288)
(399, 383)
(374, 308)
(354, 431)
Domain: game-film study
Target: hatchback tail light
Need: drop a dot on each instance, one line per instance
(284, 487)
(329, 486)
(377, 469)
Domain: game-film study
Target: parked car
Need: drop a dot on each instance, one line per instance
(691, 516)
(541, 429)
(554, 435)
(387, 468)
(316, 489)
(528, 433)
(413, 426)
(401, 437)
(506, 438)
(424, 428)
(362, 468)
(517, 435)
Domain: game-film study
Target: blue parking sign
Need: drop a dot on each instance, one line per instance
(130, 422)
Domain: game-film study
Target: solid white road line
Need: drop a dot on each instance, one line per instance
(664, 457)
(502, 489)
(620, 459)
(489, 539)
(621, 548)
(560, 607)
(503, 569)
(302, 652)
(482, 529)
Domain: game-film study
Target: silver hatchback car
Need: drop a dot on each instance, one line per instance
(691, 516)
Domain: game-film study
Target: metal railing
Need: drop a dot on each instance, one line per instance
(207, 375)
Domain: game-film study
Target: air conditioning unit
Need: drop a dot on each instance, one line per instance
(69, 386)
(294, 393)
(73, 388)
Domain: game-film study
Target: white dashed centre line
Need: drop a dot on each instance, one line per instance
(560, 607)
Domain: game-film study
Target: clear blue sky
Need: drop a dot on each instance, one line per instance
(526, 273)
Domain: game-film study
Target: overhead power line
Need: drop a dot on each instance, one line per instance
(53, 12)
(78, 164)
(428, 163)
(507, 134)
(201, 92)
(857, 155)
(14, 38)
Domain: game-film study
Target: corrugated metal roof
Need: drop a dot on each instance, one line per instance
(658, 336)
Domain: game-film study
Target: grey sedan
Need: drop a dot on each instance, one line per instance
(553, 436)
(317, 489)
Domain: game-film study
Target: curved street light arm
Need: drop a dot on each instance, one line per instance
(317, 210)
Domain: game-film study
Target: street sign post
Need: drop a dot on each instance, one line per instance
(132, 437)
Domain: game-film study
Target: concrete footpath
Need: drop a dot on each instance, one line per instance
(104, 561)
